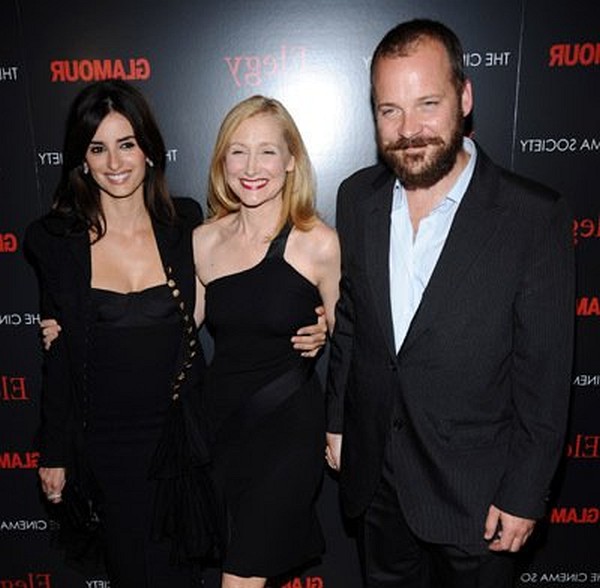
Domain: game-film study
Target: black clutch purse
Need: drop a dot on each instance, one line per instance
(80, 511)
(81, 530)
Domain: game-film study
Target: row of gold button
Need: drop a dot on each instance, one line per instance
(190, 330)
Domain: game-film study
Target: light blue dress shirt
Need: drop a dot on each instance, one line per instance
(413, 257)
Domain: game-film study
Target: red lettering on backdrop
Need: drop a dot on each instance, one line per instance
(584, 447)
(87, 70)
(251, 70)
(571, 515)
(13, 388)
(588, 306)
(308, 582)
(32, 580)
(586, 228)
(570, 55)
(16, 461)
(8, 243)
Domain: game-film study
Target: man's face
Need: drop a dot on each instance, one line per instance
(419, 114)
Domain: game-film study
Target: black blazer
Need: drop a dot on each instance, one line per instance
(63, 265)
(476, 399)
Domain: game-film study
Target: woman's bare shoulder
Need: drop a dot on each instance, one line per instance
(212, 232)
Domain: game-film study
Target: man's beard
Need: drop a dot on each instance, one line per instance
(430, 169)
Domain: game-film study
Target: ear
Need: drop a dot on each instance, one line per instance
(466, 98)
(291, 164)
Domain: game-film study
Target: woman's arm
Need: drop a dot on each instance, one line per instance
(328, 269)
(321, 263)
(56, 388)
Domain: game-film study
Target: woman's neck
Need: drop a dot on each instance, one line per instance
(259, 224)
(125, 216)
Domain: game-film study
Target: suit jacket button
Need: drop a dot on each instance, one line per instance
(397, 424)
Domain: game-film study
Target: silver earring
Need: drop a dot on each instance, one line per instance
(86, 169)
(149, 162)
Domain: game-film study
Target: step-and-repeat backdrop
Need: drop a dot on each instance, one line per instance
(534, 66)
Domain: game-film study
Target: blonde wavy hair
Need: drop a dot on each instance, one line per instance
(299, 189)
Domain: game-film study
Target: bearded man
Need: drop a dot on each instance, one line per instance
(450, 364)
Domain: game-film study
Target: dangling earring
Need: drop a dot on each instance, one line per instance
(149, 162)
(86, 169)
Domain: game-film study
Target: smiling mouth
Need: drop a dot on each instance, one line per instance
(117, 178)
(253, 184)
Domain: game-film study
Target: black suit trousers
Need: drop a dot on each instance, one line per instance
(393, 556)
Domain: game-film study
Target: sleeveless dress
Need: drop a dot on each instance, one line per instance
(134, 345)
(267, 407)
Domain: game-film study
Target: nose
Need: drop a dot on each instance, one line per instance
(251, 164)
(113, 159)
(410, 125)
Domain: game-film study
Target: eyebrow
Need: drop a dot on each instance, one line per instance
(127, 138)
(263, 144)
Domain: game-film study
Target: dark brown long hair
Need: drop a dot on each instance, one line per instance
(77, 195)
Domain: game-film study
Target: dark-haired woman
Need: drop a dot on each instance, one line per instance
(115, 265)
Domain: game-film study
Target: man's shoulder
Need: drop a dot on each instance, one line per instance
(521, 184)
(530, 198)
(515, 190)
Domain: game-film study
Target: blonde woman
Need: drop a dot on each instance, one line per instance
(264, 261)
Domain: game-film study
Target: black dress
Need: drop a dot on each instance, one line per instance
(134, 347)
(267, 406)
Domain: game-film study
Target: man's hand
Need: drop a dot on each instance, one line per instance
(506, 532)
(333, 451)
(309, 340)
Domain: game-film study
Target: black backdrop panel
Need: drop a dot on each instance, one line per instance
(534, 66)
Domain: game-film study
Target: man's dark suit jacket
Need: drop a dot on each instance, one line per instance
(476, 399)
(63, 265)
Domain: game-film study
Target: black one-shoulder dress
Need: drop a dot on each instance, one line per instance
(267, 407)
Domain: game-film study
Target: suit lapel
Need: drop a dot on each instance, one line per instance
(377, 246)
(475, 223)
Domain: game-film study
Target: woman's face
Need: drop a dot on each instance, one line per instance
(257, 161)
(116, 162)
